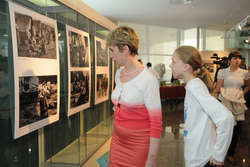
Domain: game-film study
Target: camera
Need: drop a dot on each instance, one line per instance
(222, 61)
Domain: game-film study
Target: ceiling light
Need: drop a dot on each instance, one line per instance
(239, 27)
(247, 41)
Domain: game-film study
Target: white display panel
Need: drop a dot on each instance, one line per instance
(79, 70)
(101, 71)
(36, 70)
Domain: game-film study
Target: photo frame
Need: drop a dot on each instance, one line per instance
(102, 71)
(79, 71)
(36, 70)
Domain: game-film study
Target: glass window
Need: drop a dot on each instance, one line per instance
(162, 40)
(215, 40)
(141, 31)
(201, 39)
(189, 37)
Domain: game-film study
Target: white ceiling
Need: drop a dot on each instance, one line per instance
(174, 13)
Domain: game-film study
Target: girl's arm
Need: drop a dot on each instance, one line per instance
(222, 118)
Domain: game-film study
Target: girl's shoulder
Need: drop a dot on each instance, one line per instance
(194, 83)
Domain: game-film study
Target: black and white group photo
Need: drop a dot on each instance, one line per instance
(79, 88)
(35, 38)
(37, 98)
(101, 53)
(79, 49)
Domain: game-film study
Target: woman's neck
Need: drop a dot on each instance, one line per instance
(132, 64)
(233, 68)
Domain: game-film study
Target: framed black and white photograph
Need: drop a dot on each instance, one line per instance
(102, 58)
(36, 70)
(102, 87)
(79, 98)
(35, 38)
(79, 73)
(37, 98)
(78, 45)
(102, 79)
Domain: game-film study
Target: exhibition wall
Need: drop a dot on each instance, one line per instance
(54, 102)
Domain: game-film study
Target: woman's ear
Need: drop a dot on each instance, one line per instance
(126, 49)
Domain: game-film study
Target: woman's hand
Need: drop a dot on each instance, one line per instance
(151, 162)
(153, 150)
(214, 162)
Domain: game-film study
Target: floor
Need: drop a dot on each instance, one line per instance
(81, 149)
(171, 148)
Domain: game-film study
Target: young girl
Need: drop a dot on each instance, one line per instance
(205, 144)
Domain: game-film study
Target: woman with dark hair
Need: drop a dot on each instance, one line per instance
(229, 83)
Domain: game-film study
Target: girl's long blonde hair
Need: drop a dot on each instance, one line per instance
(190, 55)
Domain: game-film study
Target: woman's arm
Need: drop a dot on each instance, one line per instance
(153, 104)
(247, 88)
(219, 85)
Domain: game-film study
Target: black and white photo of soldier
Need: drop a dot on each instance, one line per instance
(79, 54)
(79, 88)
(102, 56)
(102, 85)
(37, 98)
(34, 38)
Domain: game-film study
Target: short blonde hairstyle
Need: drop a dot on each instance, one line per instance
(124, 35)
(190, 55)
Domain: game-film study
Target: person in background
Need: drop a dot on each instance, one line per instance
(243, 63)
(149, 66)
(136, 98)
(204, 144)
(223, 64)
(229, 83)
(247, 94)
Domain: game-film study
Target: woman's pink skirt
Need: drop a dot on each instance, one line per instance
(129, 147)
